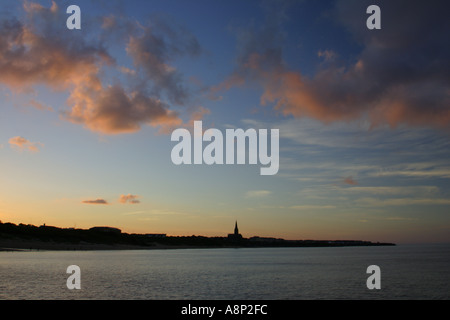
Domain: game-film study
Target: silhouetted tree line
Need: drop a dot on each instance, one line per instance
(49, 233)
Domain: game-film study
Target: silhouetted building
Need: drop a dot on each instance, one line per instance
(236, 235)
(106, 229)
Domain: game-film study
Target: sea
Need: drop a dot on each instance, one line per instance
(406, 272)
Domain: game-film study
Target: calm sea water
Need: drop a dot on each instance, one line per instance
(407, 272)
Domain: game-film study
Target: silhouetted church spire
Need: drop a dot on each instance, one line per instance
(236, 235)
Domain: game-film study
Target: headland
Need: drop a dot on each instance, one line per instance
(29, 237)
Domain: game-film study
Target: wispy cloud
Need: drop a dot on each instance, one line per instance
(327, 55)
(312, 207)
(132, 199)
(442, 172)
(96, 201)
(392, 190)
(21, 143)
(375, 202)
(40, 106)
(132, 213)
(257, 193)
(317, 154)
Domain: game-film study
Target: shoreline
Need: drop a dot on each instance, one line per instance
(32, 238)
(19, 245)
(34, 246)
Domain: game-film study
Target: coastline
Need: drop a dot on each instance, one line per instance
(32, 238)
(20, 245)
(32, 246)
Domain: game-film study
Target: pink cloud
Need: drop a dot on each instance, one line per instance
(394, 79)
(96, 201)
(129, 199)
(21, 143)
(32, 53)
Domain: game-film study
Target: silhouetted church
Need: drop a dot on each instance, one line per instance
(236, 235)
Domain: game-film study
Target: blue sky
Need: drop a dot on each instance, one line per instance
(363, 115)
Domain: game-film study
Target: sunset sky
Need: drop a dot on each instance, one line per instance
(86, 117)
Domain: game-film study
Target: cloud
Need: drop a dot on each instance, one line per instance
(38, 51)
(34, 52)
(154, 48)
(40, 106)
(128, 71)
(414, 191)
(112, 110)
(400, 76)
(23, 144)
(432, 172)
(257, 193)
(312, 207)
(373, 202)
(350, 180)
(97, 201)
(132, 199)
(327, 55)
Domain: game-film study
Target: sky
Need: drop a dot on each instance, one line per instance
(86, 117)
